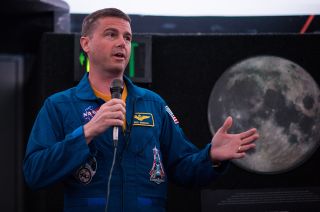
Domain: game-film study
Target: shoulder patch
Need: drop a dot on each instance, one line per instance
(175, 120)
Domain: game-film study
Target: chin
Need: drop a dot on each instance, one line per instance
(117, 71)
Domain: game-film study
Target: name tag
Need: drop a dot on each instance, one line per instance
(143, 119)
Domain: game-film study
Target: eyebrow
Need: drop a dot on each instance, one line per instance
(116, 30)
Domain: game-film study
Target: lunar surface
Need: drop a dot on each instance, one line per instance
(281, 100)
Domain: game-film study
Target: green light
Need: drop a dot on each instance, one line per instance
(82, 58)
(88, 65)
(84, 61)
(131, 62)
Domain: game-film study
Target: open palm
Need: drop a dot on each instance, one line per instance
(226, 146)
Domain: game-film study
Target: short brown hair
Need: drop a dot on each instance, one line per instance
(89, 22)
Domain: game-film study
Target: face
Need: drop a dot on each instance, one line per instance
(109, 45)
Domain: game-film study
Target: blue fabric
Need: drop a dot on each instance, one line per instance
(144, 201)
(96, 201)
(85, 202)
(148, 154)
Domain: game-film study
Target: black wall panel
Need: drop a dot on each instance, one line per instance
(185, 69)
(54, 73)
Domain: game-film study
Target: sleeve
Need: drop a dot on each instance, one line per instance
(187, 165)
(51, 155)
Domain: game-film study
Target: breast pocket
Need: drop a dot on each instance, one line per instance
(143, 139)
(151, 172)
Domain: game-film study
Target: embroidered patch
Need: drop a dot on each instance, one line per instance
(175, 120)
(143, 119)
(157, 174)
(89, 113)
(86, 172)
(84, 175)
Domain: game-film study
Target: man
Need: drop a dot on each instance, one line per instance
(72, 138)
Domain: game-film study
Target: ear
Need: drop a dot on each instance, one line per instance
(84, 42)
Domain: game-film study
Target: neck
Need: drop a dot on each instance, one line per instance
(102, 82)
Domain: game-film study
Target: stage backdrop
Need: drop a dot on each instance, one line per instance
(185, 69)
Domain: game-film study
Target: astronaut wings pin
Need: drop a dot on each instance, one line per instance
(157, 174)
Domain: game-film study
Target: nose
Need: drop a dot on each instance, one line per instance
(121, 42)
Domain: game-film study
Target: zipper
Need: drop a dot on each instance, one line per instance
(126, 135)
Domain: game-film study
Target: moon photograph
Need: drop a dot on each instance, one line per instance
(280, 99)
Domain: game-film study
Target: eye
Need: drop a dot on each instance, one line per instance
(110, 34)
(128, 38)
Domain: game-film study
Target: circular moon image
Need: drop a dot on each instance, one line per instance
(281, 100)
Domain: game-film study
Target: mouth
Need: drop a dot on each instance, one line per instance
(120, 55)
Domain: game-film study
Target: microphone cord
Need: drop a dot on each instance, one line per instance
(116, 89)
(110, 175)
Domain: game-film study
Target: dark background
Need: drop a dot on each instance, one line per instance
(188, 56)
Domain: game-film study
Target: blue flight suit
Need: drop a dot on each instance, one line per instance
(151, 150)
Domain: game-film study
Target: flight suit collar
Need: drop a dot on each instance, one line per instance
(84, 90)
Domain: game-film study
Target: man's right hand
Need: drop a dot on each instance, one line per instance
(111, 113)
